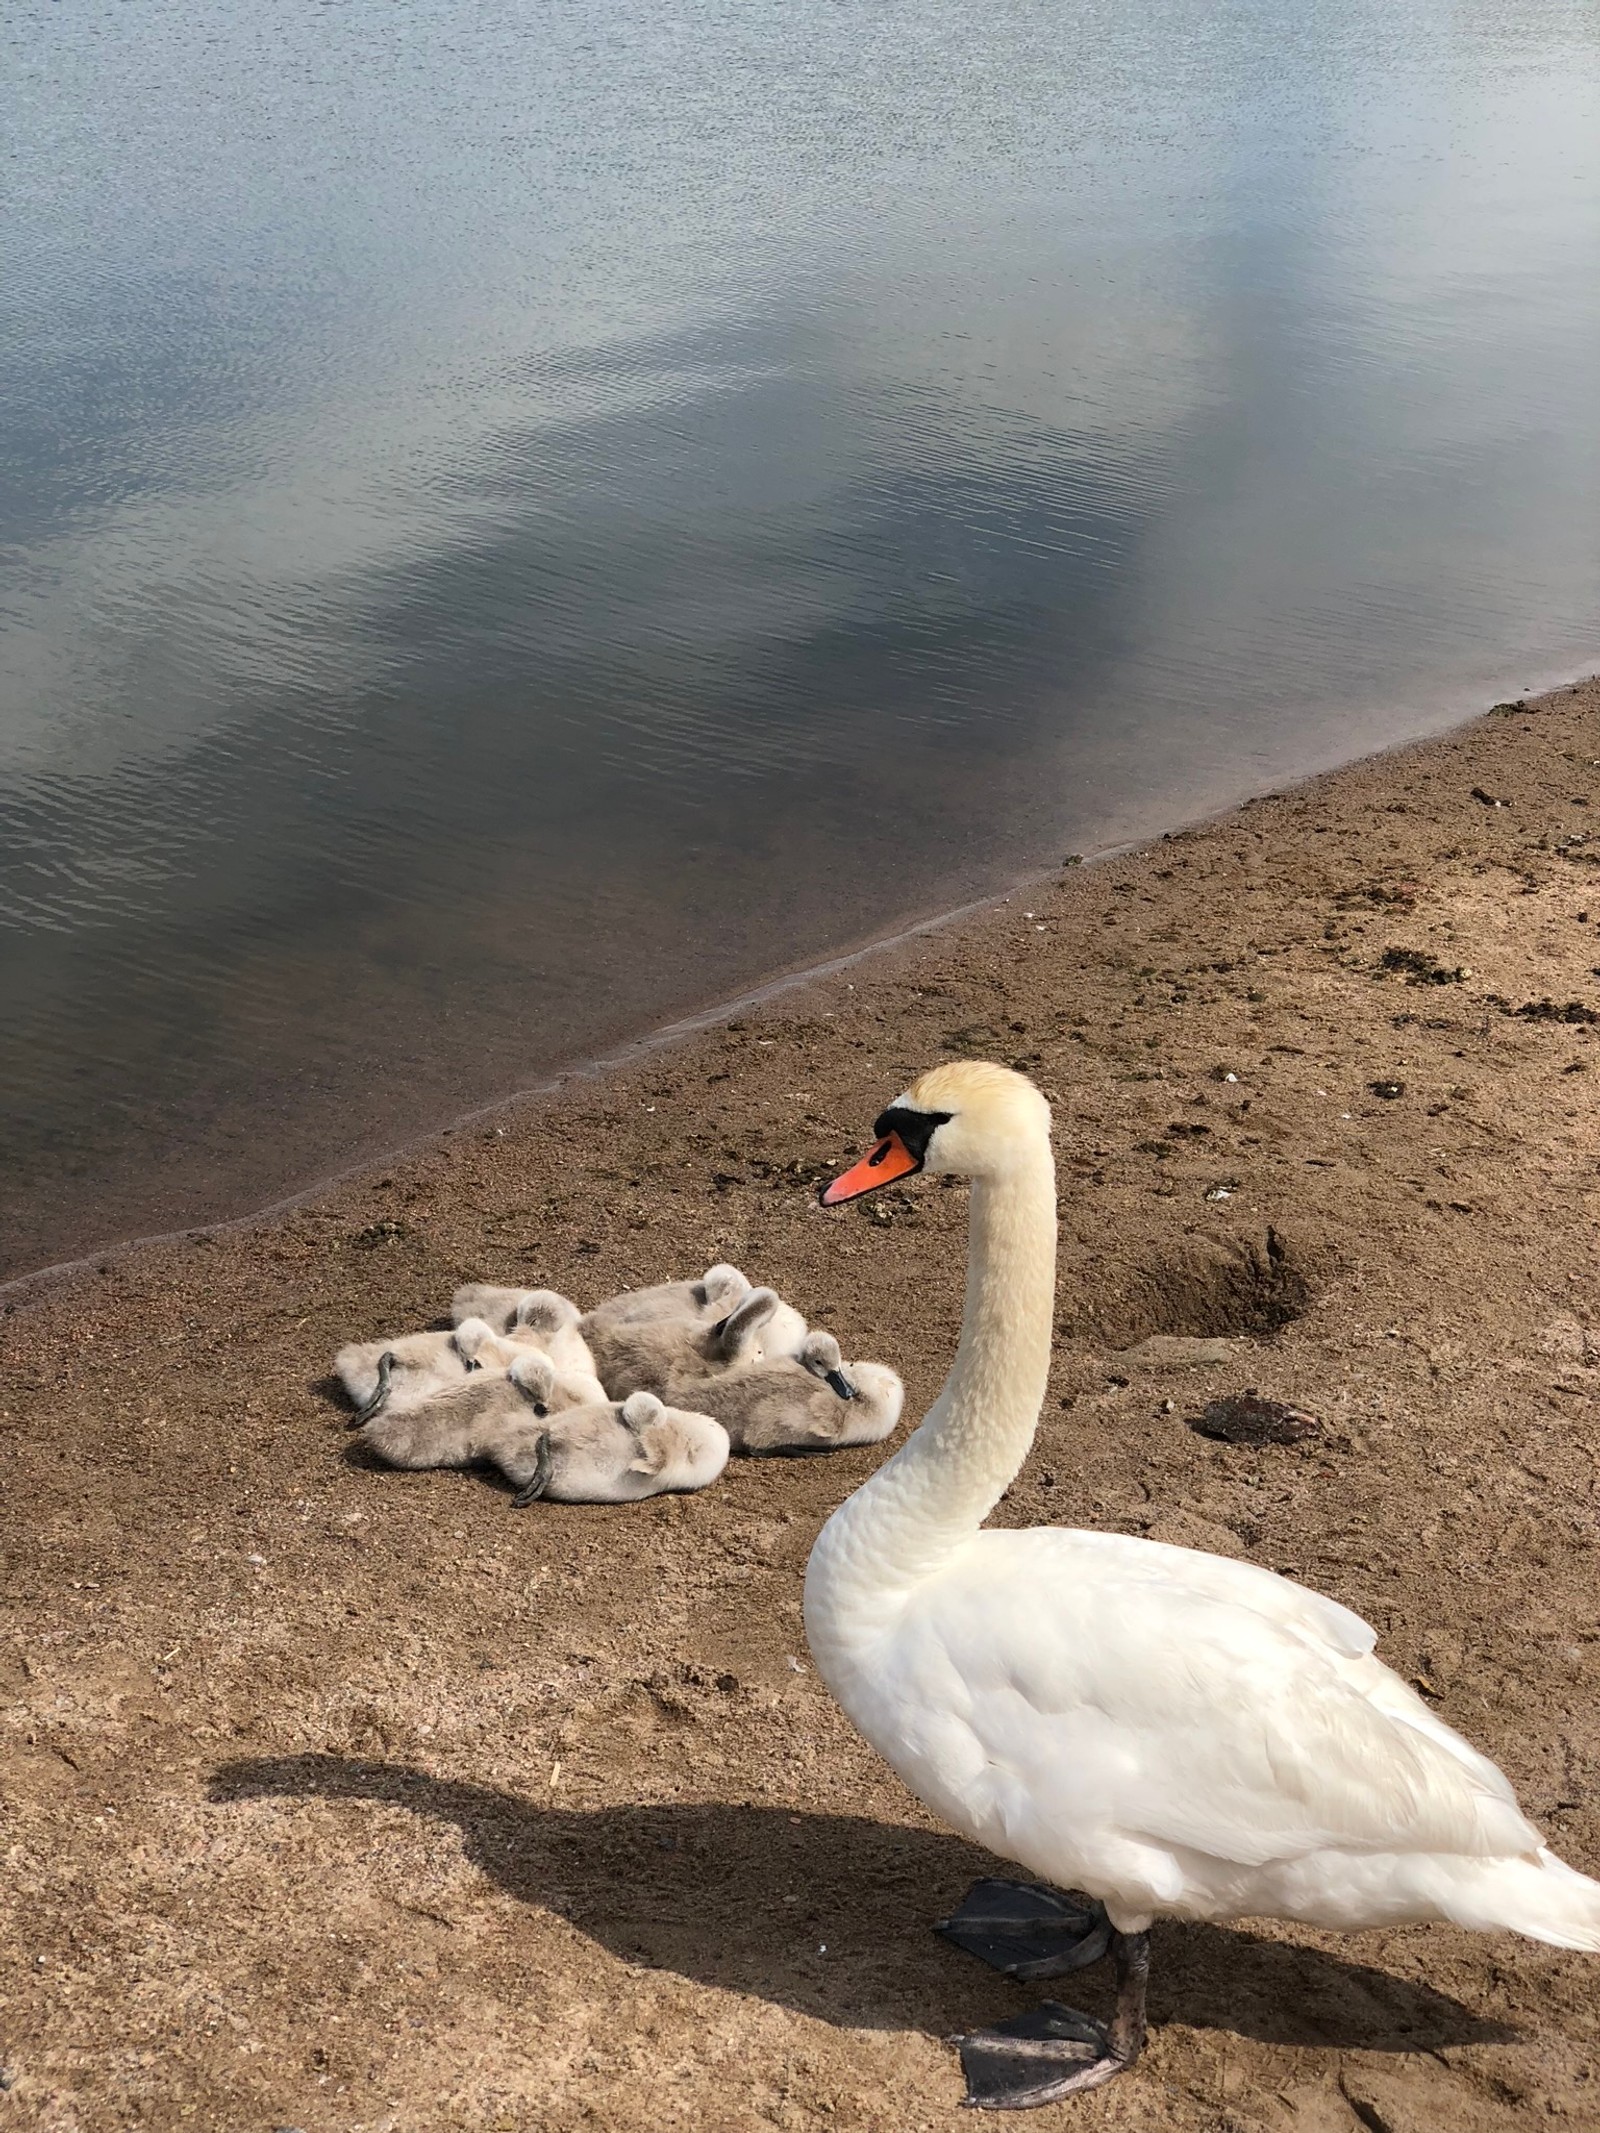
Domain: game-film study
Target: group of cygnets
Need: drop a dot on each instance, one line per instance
(649, 1392)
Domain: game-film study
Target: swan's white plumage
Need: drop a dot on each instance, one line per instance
(1170, 1731)
(1092, 1720)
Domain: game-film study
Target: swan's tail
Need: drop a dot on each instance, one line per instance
(1541, 1896)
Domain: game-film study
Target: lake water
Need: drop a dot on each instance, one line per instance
(522, 520)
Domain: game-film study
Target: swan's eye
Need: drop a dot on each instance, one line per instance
(914, 1129)
(540, 1409)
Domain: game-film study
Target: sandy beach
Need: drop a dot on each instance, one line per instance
(343, 1799)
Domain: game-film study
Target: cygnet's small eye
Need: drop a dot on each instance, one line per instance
(540, 1409)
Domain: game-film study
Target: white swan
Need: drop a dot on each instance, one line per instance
(1177, 1734)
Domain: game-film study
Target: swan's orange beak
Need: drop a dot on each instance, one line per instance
(881, 1165)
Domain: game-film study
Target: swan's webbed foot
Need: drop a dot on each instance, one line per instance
(1036, 2058)
(1028, 1930)
(375, 1400)
(1052, 2051)
(543, 1468)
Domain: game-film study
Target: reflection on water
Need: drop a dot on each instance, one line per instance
(520, 522)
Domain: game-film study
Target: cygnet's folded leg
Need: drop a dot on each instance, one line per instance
(1028, 1930)
(543, 1467)
(1053, 2051)
(379, 1394)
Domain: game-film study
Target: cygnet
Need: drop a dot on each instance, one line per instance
(651, 1354)
(814, 1402)
(616, 1454)
(582, 1454)
(542, 1316)
(714, 1295)
(461, 1423)
(398, 1373)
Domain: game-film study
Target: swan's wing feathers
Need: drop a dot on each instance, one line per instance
(1192, 1721)
(1065, 1552)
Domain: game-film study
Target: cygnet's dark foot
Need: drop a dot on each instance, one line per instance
(378, 1397)
(1054, 2052)
(543, 1467)
(1028, 1930)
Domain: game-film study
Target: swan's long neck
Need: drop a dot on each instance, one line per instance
(920, 1507)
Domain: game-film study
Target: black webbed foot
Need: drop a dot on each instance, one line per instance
(376, 1399)
(1028, 1930)
(1036, 2058)
(1053, 2051)
(543, 1468)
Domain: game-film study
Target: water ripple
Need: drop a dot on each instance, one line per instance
(494, 504)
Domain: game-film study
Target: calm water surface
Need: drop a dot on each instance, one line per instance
(519, 521)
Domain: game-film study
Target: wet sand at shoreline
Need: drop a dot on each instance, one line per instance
(344, 1799)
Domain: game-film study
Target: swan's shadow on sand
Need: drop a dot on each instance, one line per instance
(746, 1899)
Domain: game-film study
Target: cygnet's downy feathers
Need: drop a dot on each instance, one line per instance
(713, 1296)
(582, 1454)
(541, 1317)
(489, 1350)
(399, 1372)
(653, 1354)
(813, 1402)
(619, 1454)
(464, 1422)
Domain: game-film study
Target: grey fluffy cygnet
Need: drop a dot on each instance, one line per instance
(713, 1296)
(649, 1355)
(813, 1402)
(399, 1373)
(540, 1317)
(582, 1454)
(461, 1423)
(619, 1454)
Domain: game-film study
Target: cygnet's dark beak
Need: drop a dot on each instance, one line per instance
(840, 1384)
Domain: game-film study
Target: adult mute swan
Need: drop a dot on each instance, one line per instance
(1177, 1734)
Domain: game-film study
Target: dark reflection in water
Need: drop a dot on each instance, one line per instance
(519, 523)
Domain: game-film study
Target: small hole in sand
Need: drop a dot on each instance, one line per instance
(1205, 1288)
